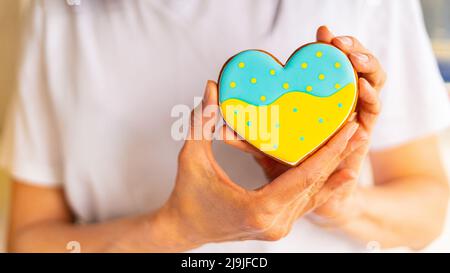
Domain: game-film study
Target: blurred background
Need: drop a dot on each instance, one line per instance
(9, 40)
(437, 18)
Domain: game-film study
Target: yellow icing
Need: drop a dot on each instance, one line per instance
(294, 125)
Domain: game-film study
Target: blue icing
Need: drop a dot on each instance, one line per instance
(274, 80)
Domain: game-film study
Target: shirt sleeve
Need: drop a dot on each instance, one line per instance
(415, 102)
(30, 149)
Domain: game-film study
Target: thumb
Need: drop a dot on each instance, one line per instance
(204, 117)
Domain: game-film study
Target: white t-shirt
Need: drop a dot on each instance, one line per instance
(98, 81)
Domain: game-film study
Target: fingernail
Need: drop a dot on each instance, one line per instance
(325, 27)
(361, 57)
(345, 40)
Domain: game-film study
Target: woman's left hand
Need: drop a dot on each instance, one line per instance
(343, 203)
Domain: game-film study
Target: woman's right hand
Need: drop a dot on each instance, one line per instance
(207, 206)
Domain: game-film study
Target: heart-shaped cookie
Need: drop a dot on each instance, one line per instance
(288, 111)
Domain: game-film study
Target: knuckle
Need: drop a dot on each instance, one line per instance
(258, 220)
(268, 205)
(304, 183)
(263, 203)
(372, 64)
(355, 41)
(333, 149)
(257, 223)
(369, 55)
(309, 179)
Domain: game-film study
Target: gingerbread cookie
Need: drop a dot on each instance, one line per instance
(288, 111)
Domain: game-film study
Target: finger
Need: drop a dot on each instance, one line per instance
(205, 115)
(324, 35)
(231, 138)
(328, 157)
(349, 44)
(340, 183)
(368, 96)
(369, 106)
(368, 67)
(314, 171)
(363, 61)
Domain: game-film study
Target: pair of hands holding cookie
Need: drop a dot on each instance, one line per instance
(207, 206)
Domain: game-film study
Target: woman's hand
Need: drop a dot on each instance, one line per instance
(344, 203)
(206, 206)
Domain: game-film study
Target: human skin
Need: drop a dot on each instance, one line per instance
(207, 206)
(407, 205)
